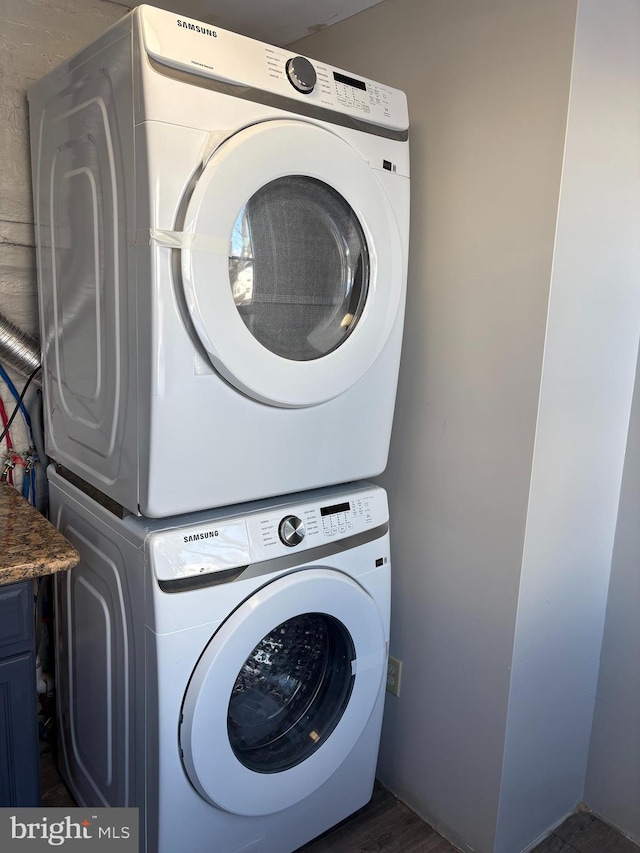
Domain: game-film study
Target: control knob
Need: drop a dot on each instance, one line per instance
(291, 530)
(301, 74)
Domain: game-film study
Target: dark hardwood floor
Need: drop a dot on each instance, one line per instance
(54, 792)
(386, 825)
(583, 832)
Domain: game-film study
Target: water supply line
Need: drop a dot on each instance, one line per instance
(21, 351)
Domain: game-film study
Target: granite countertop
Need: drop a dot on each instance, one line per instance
(29, 545)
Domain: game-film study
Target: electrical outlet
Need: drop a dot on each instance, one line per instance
(394, 674)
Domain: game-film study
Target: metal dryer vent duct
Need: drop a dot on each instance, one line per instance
(17, 348)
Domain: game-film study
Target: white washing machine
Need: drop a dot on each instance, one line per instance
(225, 671)
(222, 233)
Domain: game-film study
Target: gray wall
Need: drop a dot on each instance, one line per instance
(514, 397)
(613, 774)
(488, 88)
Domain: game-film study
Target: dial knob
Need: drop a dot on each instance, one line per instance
(291, 530)
(301, 74)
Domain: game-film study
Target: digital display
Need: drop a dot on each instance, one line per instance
(332, 510)
(349, 81)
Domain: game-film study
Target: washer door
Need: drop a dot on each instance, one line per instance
(282, 692)
(291, 263)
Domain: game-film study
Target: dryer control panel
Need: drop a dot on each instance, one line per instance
(219, 543)
(203, 49)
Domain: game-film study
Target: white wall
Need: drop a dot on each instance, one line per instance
(501, 555)
(590, 358)
(488, 88)
(613, 773)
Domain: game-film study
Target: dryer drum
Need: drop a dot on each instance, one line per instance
(291, 692)
(299, 267)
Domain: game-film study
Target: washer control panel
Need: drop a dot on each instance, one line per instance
(314, 524)
(218, 542)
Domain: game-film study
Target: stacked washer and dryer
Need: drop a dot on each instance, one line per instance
(222, 234)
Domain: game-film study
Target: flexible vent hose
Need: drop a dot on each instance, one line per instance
(17, 348)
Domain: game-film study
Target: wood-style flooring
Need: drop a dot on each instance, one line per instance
(386, 825)
(583, 832)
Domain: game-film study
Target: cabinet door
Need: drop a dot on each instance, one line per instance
(16, 619)
(19, 773)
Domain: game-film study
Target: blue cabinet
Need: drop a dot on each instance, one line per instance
(19, 766)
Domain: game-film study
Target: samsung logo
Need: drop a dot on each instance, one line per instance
(197, 29)
(194, 537)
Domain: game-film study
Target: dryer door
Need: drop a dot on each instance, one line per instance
(282, 692)
(291, 263)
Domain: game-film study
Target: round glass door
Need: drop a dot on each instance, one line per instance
(291, 263)
(290, 693)
(299, 267)
(283, 691)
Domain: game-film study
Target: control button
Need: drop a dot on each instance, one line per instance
(291, 530)
(301, 74)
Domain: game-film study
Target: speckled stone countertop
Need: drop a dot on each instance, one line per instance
(29, 545)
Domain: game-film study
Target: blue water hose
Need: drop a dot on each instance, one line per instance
(12, 388)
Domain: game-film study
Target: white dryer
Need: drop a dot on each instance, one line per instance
(225, 672)
(222, 234)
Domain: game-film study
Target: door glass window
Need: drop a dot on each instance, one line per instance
(299, 267)
(291, 692)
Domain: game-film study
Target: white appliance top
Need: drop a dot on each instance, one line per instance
(206, 50)
(219, 542)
